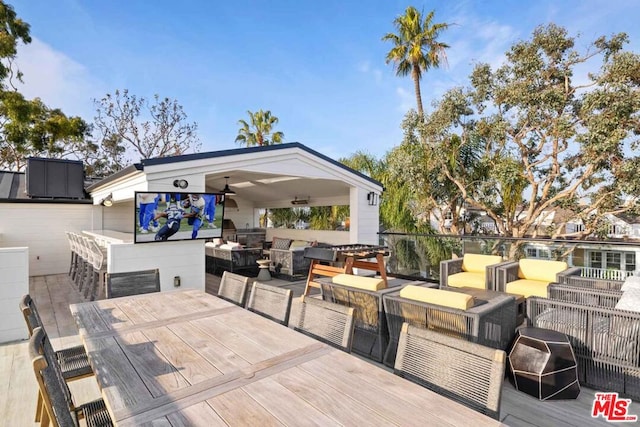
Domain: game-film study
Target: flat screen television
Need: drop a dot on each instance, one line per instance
(161, 217)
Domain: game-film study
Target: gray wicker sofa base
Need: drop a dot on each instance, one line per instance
(491, 322)
(370, 335)
(606, 341)
(573, 278)
(232, 260)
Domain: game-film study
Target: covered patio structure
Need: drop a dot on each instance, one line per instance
(262, 178)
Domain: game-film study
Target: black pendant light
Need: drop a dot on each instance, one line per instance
(227, 190)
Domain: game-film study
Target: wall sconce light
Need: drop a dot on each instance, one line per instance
(107, 201)
(176, 281)
(372, 198)
(181, 183)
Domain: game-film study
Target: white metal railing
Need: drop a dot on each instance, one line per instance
(601, 273)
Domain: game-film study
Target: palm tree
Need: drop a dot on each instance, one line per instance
(416, 47)
(259, 130)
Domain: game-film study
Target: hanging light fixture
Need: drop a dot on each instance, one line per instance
(227, 190)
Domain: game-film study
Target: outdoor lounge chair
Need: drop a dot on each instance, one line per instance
(472, 270)
(466, 372)
(324, 321)
(57, 403)
(529, 277)
(270, 301)
(490, 322)
(365, 295)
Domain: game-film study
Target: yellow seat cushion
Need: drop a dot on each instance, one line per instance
(360, 282)
(467, 279)
(478, 263)
(438, 297)
(540, 269)
(527, 288)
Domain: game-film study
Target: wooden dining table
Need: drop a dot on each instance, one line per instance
(187, 358)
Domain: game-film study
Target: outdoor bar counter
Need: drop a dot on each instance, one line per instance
(109, 236)
(183, 259)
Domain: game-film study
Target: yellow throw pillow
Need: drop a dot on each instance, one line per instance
(540, 269)
(478, 263)
(360, 282)
(438, 297)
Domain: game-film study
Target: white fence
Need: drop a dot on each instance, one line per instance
(601, 273)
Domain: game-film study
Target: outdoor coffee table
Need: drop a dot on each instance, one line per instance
(543, 365)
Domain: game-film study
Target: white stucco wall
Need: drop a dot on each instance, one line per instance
(182, 258)
(119, 217)
(364, 218)
(14, 283)
(41, 227)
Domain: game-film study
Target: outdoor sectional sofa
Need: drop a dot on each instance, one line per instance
(605, 337)
(231, 258)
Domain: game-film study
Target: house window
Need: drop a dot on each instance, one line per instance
(540, 253)
(595, 259)
(630, 262)
(613, 260)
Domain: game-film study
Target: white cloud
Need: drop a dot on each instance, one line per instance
(407, 99)
(365, 68)
(58, 80)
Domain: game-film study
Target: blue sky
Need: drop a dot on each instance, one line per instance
(318, 66)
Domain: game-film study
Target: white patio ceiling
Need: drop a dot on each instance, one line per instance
(263, 188)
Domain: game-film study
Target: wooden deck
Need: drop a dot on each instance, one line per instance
(53, 294)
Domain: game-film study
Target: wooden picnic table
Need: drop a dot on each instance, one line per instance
(189, 358)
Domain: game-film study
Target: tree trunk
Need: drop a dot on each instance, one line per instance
(416, 84)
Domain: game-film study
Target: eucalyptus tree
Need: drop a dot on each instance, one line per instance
(259, 130)
(416, 47)
(558, 126)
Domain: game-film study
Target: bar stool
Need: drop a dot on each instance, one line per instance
(74, 255)
(99, 270)
(84, 273)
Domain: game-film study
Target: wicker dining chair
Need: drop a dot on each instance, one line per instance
(233, 288)
(325, 321)
(270, 301)
(132, 283)
(466, 372)
(57, 402)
